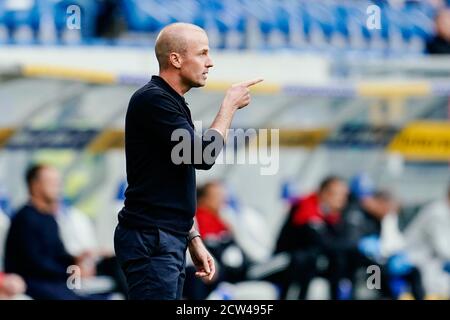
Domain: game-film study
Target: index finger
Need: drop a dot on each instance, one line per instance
(249, 83)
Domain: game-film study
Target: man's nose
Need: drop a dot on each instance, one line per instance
(209, 63)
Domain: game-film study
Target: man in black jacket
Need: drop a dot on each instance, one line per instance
(34, 249)
(162, 152)
(312, 235)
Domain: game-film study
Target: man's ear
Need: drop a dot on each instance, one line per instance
(175, 59)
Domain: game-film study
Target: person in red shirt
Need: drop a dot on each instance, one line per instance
(312, 234)
(218, 238)
(211, 200)
(217, 235)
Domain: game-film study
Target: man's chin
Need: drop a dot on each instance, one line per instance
(199, 84)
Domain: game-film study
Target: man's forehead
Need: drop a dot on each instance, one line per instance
(197, 36)
(49, 171)
(199, 45)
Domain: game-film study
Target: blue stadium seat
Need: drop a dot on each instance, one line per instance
(320, 23)
(262, 12)
(186, 11)
(2, 14)
(144, 15)
(18, 16)
(282, 20)
(341, 14)
(318, 16)
(5, 202)
(2, 18)
(388, 19)
(231, 18)
(356, 21)
(89, 11)
(422, 25)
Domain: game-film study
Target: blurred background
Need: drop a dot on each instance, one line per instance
(357, 91)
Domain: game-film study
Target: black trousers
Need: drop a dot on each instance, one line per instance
(153, 261)
(110, 267)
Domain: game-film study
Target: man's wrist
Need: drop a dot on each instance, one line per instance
(229, 108)
(218, 135)
(192, 235)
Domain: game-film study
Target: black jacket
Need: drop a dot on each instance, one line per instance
(162, 192)
(321, 237)
(34, 248)
(438, 45)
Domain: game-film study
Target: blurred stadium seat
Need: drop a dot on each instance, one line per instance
(24, 13)
(296, 24)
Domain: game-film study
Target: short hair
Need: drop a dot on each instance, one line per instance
(328, 181)
(164, 48)
(33, 173)
(172, 40)
(202, 191)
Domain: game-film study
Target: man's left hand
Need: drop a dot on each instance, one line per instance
(202, 259)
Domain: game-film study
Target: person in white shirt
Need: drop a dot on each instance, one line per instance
(78, 234)
(428, 245)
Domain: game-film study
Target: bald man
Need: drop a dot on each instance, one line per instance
(162, 152)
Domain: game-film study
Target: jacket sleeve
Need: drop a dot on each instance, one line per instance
(171, 126)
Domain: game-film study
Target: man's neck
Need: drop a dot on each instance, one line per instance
(44, 206)
(174, 81)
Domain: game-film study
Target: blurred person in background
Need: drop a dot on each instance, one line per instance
(231, 261)
(107, 21)
(34, 249)
(440, 43)
(79, 237)
(363, 205)
(362, 229)
(362, 219)
(311, 234)
(11, 285)
(370, 226)
(428, 245)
